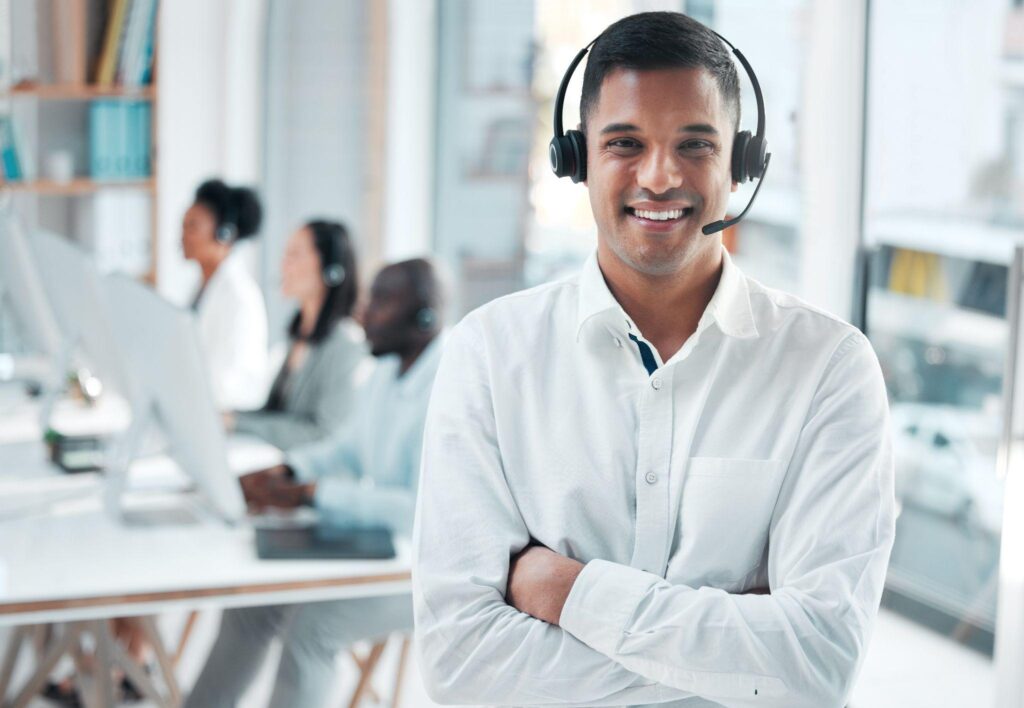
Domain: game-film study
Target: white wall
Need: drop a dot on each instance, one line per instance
(831, 139)
(209, 78)
(315, 137)
(412, 88)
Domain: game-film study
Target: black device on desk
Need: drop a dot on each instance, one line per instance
(76, 453)
(323, 542)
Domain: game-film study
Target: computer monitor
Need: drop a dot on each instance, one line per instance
(161, 345)
(72, 282)
(22, 291)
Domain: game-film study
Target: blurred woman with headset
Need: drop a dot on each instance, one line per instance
(312, 393)
(229, 304)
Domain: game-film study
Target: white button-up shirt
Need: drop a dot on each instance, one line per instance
(757, 456)
(233, 331)
(367, 471)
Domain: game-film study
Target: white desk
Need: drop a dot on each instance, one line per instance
(69, 561)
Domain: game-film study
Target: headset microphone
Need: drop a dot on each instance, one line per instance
(715, 226)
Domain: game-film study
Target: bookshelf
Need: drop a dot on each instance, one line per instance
(77, 186)
(62, 61)
(78, 92)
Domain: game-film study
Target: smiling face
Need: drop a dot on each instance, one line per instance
(659, 144)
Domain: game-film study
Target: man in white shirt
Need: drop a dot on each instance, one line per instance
(659, 481)
(365, 474)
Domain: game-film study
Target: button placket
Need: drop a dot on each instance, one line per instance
(654, 454)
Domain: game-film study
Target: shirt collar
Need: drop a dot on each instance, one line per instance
(729, 307)
(421, 373)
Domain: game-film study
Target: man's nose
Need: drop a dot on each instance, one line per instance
(659, 171)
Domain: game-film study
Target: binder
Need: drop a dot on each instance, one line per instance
(112, 41)
(9, 151)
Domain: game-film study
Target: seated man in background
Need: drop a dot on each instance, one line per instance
(367, 474)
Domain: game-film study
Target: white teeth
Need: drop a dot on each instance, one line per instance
(659, 215)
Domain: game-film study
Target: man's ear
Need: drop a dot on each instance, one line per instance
(735, 186)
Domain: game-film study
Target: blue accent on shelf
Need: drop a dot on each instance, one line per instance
(119, 139)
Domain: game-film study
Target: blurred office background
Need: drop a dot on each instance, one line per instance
(895, 199)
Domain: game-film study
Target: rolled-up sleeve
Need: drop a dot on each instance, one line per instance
(830, 539)
(472, 646)
(367, 503)
(335, 456)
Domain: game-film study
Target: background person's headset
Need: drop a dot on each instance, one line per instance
(424, 317)
(750, 157)
(227, 230)
(332, 271)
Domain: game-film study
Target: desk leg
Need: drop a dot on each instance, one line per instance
(11, 658)
(57, 650)
(366, 673)
(403, 655)
(105, 650)
(162, 658)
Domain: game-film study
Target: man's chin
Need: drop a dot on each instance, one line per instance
(660, 257)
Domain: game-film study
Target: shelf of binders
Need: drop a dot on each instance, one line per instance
(80, 92)
(77, 186)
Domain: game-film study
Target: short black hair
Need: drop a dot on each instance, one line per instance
(659, 40)
(333, 244)
(236, 205)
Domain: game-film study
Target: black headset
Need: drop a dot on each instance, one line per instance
(332, 272)
(227, 230)
(750, 157)
(424, 317)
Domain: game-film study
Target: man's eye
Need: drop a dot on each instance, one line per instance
(697, 147)
(623, 145)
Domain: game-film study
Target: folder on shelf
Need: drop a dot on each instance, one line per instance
(122, 140)
(100, 140)
(112, 39)
(146, 109)
(146, 60)
(116, 224)
(138, 33)
(12, 167)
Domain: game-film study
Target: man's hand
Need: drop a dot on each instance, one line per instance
(539, 581)
(274, 487)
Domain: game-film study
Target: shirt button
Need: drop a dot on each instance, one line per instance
(656, 384)
(651, 478)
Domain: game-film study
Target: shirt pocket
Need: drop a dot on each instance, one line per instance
(726, 509)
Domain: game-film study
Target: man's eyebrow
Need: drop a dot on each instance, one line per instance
(619, 128)
(699, 128)
(630, 128)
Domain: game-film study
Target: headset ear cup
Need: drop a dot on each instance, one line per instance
(425, 319)
(560, 156)
(754, 158)
(739, 157)
(334, 275)
(226, 233)
(578, 143)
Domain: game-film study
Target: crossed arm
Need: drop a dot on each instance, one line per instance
(499, 621)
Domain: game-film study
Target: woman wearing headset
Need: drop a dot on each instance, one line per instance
(312, 393)
(229, 304)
